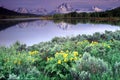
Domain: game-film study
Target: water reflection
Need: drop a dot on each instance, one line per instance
(38, 23)
(4, 24)
(42, 30)
(64, 26)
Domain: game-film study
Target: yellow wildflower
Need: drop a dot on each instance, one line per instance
(75, 58)
(30, 53)
(15, 61)
(51, 58)
(67, 51)
(33, 52)
(56, 54)
(65, 60)
(33, 60)
(71, 59)
(61, 51)
(108, 46)
(94, 42)
(19, 62)
(48, 59)
(75, 53)
(36, 52)
(59, 62)
(65, 55)
(85, 40)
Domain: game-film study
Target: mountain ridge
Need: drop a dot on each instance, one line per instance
(6, 13)
(37, 11)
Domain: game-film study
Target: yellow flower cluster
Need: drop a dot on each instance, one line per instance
(82, 42)
(33, 52)
(75, 53)
(17, 62)
(94, 43)
(31, 59)
(64, 57)
(59, 62)
(48, 59)
(106, 45)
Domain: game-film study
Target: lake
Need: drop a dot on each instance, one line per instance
(36, 31)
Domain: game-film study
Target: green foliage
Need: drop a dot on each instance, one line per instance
(90, 68)
(92, 57)
(59, 66)
(92, 64)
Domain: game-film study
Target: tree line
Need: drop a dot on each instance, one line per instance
(109, 13)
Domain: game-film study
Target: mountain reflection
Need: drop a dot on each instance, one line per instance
(39, 23)
(23, 25)
(64, 26)
(4, 24)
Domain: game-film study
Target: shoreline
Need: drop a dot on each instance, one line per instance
(17, 19)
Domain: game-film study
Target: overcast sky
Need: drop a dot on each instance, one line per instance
(53, 4)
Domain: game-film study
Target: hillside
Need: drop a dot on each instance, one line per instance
(5, 13)
(115, 12)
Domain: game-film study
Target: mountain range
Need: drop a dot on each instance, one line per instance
(39, 11)
(61, 9)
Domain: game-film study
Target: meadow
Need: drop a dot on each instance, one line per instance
(83, 57)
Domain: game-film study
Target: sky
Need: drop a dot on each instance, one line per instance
(53, 4)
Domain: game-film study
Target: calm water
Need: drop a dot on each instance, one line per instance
(34, 32)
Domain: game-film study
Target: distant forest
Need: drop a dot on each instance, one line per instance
(109, 13)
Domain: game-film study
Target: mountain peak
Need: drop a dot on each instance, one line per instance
(64, 8)
(96, 9)
(38, 11)
(21, 10)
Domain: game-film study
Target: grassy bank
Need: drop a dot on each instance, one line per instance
(84, 57)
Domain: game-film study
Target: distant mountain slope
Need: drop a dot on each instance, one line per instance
(111, 13)
(21, 10)
(37, 11)
(115, 11)
(5, 13)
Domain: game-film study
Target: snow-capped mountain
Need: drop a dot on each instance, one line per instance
(96, 9)
(39, 11)
(63, 8)
(22, 10)
(83, 10)
(88, 10)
